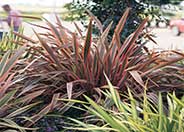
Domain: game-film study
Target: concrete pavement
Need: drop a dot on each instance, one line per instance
(163, 36)
(166, 40)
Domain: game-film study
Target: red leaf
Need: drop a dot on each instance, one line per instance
(88, 40)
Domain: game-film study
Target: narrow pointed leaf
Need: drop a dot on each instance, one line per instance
(87, 44)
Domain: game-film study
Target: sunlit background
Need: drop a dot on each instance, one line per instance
(35, 8)
(36, 2)
(36, 5)
(48, 9)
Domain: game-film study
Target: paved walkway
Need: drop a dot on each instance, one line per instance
(166, 40)
(163, 36)
(28, 28)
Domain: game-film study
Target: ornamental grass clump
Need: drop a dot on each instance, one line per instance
(67, 64)
(131, 115)
(68, 61)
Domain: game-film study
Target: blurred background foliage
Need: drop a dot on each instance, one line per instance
(112, 10)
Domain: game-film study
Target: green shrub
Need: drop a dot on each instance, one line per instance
(75, 12)
(111, 10)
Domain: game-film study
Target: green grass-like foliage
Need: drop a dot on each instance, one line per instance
(132, 115)
(9, 41)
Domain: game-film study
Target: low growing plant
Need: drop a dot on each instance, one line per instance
(13, 102)
(132, 115)
(8, 42)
